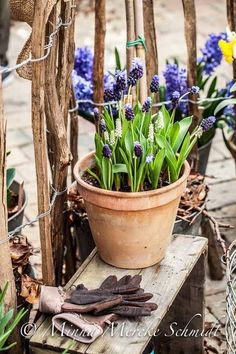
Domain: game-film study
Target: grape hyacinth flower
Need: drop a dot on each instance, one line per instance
(147, 104)
(131, 81)
(137, 68)
(118, 130)
(102, 126)
(96, 114)
(138, 150)
(108, 95)
(154, 87)
(149, 158)
(151, 133)
(159, 124)
(121, 79)
(211, 53)
(207, 123)
(112, 138)
(194, 89)
(106, 151)
(106, 136)
(175, 98)
(129, 113)
(117, 94)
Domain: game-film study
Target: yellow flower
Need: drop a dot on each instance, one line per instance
(227, 49)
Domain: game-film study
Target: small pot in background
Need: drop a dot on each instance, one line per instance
(17, 219)
(204, 152)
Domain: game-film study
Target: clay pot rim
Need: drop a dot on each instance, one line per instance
(127, 194)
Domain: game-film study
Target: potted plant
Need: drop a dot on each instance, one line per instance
(16, 200)
(132, 183)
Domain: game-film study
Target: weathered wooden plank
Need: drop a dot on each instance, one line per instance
(164, 281)
(186, 316)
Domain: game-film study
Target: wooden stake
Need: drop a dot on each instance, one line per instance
(191, 42)
(99, 50)
(150, 37)
(74, 134)
(38, 126)
(139, 31)
(130, 51)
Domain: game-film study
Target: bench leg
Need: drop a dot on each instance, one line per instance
(182, 328)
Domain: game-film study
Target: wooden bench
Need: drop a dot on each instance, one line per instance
(178, 288)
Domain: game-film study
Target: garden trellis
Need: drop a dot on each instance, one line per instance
(52, 62)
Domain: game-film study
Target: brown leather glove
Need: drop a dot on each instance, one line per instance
(131, 304)
(124, 298)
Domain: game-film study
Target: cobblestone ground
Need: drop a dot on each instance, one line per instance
(211, 17)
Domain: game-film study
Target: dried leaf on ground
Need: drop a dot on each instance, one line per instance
(30, 289)
(20, 250)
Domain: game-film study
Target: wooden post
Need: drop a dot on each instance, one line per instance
(130, 51)
(99, 50)
(139, 31)
(38, 126)
(57, 122)
(150, 37)
(191, 42)
(6, 272)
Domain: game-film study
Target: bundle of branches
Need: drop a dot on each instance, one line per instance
(193, 201)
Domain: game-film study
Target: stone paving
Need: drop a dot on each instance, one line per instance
(211, 17)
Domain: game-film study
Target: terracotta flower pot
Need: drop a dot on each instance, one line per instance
(131, 230)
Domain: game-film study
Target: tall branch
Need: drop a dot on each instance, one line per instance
(150, 37)
(99, 50)
(139, 31)
(130, 51)
(39, 136)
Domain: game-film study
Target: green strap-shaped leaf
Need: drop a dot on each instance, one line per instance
(224, 104)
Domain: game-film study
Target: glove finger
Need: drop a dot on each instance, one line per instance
(131, 311)
(109, 282)
(148, 305)
(136, 280)
(80, 287)
(137, 297)
(124, 280)
(88, 308)
(88, 297)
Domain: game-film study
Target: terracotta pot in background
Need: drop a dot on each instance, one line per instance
(131, 230)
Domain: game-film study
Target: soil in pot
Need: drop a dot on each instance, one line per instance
(131, 230)
(17, 205)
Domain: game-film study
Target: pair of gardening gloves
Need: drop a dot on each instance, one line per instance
(82, 314)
